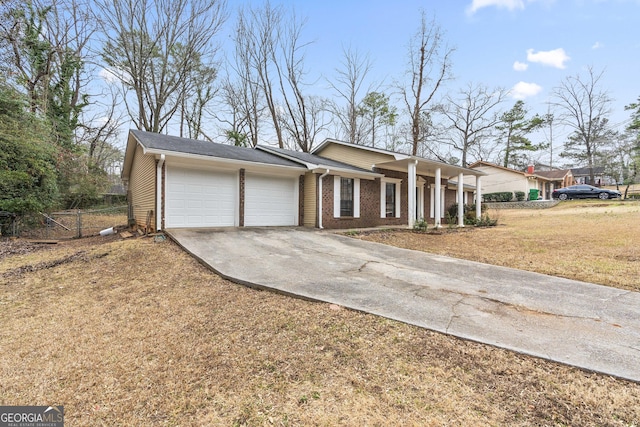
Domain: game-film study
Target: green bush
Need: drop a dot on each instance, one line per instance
(420, 225)
(503, 196)
(520, 195)
(469, 213)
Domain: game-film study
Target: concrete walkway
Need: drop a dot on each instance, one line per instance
(581, 324)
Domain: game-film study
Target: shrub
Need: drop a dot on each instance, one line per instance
(520, 195)
(504, 196)
(420, 225)
(469, 213)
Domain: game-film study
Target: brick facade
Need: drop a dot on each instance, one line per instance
(301, 200)
(370, 202)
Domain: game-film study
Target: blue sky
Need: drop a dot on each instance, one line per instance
(529, 46)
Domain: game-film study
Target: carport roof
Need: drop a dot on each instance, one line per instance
(167, 144)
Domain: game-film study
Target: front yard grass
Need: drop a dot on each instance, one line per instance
(136, 332)
(588, 240)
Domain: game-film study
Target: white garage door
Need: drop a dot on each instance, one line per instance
(270, 201)
(200, 198)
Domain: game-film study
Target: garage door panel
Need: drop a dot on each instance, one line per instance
(200, 198)
(270, 201)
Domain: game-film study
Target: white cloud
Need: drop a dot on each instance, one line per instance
(597, 45)
(552, 58)
(523, 90)
(111, 75)
(520, 66)
(504, 4)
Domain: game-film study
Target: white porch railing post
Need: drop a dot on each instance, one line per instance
(460, 200)
(478, 197)
(438, 200)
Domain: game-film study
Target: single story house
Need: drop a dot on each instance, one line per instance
(175, 182)
(553, 179)
(583, 176)
(501, 179)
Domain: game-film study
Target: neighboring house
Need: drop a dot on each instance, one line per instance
(552, 179)
(501, 179)
(583, 176)
(340, 185)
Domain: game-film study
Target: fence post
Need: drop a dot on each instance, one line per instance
(79, 223)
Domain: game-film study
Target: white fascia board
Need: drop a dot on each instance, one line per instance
(347, 173)
(229, 163)
(397, 156)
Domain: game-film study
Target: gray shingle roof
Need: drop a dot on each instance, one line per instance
(176, 144)
(313, 159)
(554, 174)
(599, 170)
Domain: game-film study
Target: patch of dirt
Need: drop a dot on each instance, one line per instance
(11, 246)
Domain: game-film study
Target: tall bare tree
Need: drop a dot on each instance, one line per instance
(348, 83)
(272, 39)
(471, 118)
(256, 37)
(429, 66)
(584, 108)
(157, 49)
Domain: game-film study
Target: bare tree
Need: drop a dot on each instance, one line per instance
(157, 49)
(275, 54)
(471, 118)
(584, 108)
(429, 66)
(348, 85)
(256, 36)
(304, 115)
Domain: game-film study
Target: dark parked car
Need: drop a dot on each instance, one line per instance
(583, 191)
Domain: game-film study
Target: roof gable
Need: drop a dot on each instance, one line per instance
(314, 161)
(481, 164)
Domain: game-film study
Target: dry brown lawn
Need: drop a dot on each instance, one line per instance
(583, 240)
(133, 332)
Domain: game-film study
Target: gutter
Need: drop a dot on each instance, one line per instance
(159, 193)
(320, 198)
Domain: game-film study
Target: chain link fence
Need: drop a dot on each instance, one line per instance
(67, 224)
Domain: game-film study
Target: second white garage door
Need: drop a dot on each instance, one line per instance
(270, 201)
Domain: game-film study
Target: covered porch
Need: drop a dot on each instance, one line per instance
(418, 167)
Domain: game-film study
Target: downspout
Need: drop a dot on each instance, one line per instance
(159, 193)
(320, 198)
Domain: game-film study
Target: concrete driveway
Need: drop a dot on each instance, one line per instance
(581, 324)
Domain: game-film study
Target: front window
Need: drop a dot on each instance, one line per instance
(390, 200)
(346, 197)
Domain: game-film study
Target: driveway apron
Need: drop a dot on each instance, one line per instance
(576, 323)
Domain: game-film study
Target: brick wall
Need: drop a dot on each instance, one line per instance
(301, 200)
(369, 205)
(370, 202)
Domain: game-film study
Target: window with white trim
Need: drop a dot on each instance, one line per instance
(390, 197)
(346, 197)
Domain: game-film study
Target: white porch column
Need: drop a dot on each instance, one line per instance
(438, 200)
(411, 192)
(478, 197)
(460, 200)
